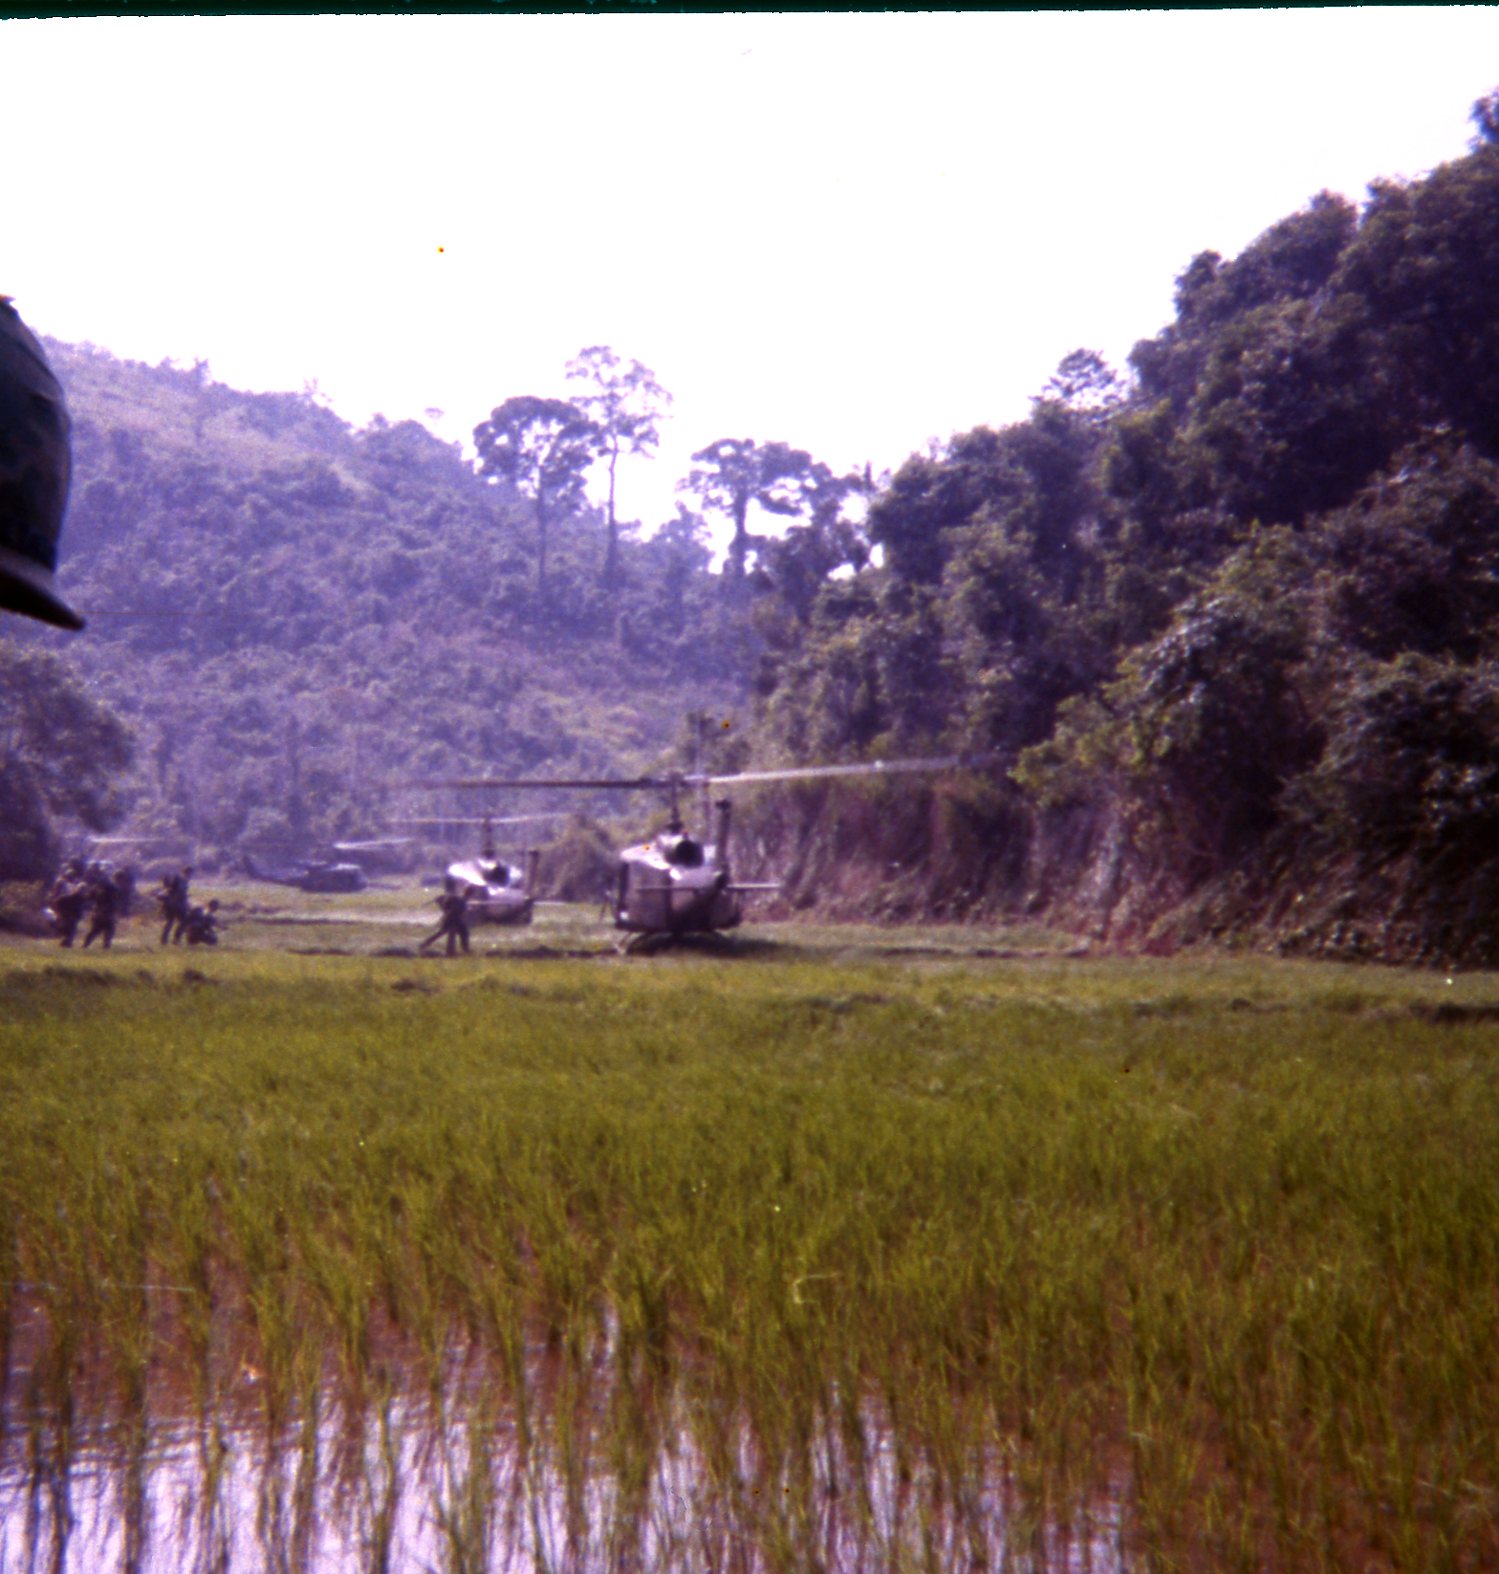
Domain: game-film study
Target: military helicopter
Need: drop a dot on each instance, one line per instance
(320, 877)
(498, 892)
(677, 885)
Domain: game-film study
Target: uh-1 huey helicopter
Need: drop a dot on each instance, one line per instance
(498, 892)
(677, 885)
(320, 876)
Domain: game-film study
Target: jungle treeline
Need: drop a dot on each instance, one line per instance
(1229, 620)
(1226, 620)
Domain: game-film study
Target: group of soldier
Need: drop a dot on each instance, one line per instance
(104, 894)
(107, 894)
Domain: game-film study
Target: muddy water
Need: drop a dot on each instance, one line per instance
(400, 1487)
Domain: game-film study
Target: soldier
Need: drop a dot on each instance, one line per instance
(104, 903)
(203, 925)
(453, 905)
(172, 895)
(67, 899)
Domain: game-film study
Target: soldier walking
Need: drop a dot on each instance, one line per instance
(67, 899)
(104, 905)
(175, 907)
(453, 906)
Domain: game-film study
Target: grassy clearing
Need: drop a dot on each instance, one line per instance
(865, 1250)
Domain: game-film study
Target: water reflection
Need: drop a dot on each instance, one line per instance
(574, 1471)
(399, 1489)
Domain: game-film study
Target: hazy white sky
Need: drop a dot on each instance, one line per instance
(847, 232)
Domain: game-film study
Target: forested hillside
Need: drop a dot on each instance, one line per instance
(1230, 623)
(1227, 619)
(290, 614)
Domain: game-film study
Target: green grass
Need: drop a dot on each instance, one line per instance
(943, 1248)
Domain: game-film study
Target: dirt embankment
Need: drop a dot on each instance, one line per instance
(895, 855)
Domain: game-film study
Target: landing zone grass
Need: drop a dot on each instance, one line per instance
(878, 1250)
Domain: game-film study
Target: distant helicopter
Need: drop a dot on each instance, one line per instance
(675, 884)
(498, 892)
(322, 878)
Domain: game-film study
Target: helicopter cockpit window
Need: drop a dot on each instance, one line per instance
(686, 854)
(495, 874)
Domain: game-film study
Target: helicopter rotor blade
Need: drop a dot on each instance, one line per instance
(791, 773)
(796, 773)
(577, 783)
(481, 819)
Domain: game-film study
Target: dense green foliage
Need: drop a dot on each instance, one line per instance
(1236, 617)
(61, 751)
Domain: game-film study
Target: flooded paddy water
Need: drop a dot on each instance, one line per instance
(470, 1485)
(831, 1250)
(580, 1458)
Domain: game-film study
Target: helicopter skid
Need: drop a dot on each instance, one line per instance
(507, 913)
(642, 944)
(649, 941)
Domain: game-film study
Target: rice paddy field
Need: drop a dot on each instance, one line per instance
(826, 1249)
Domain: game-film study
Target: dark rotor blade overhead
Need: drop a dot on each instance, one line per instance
(794, 773)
